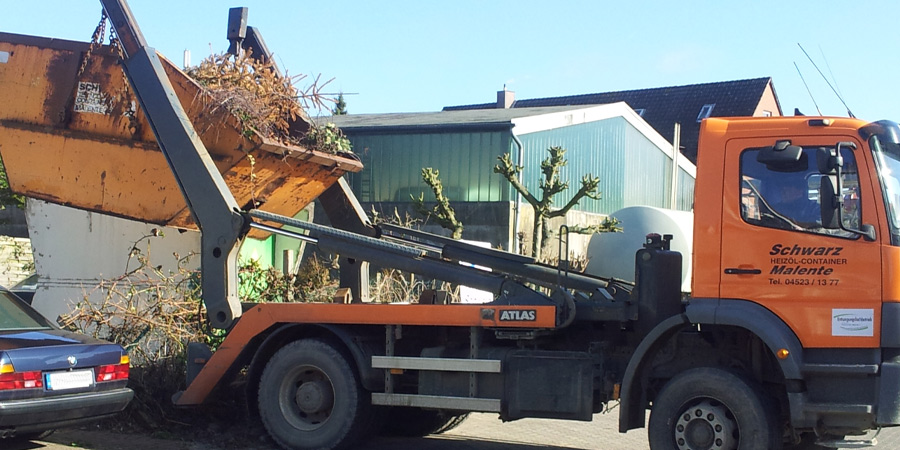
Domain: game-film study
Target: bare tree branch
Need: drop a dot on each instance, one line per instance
(442, 211)
(550, 186)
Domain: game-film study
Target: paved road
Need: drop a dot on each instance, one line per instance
(487, 432)
(479, 432)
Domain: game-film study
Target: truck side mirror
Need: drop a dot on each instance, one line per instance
(829, 201)
(829, 160)
(782, 157)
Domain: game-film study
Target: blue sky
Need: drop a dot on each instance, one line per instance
(408, 56)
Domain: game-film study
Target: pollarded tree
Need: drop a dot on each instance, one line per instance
(550, 186)
(442, 211)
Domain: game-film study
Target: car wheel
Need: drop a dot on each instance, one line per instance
(713, 408)
(310, 397)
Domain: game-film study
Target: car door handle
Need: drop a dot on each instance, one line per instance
(734, 271)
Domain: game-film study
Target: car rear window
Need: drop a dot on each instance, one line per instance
(15, 315)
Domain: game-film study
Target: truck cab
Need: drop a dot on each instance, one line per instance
(796, 240)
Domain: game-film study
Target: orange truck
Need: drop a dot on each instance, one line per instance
(788, 339)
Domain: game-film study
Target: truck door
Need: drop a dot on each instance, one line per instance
(824, 283)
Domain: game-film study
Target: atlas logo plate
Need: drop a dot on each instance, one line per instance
(524, 315)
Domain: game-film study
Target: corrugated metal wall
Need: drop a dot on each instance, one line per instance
(648, 171)
(591, 148)
(393, 165)
(632, 170)
(685, 191)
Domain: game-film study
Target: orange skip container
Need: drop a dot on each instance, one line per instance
(73, 133)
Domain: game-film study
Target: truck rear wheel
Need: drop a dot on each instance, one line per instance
(711, 408)
(310, 397)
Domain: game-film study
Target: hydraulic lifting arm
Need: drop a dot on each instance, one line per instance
(223, 226)
(211, 203)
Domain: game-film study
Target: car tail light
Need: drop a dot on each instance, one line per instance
(114, 372)
(10, 379)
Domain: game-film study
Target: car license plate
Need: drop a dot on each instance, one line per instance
(58, 381)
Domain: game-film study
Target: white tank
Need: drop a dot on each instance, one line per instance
(612, 254)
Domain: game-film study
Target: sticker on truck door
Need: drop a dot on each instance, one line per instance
(795, 265)
(853, 322)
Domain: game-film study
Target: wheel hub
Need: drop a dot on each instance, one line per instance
(314, 396)
(706, 425)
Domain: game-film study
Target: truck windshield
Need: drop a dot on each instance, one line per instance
(885, 145)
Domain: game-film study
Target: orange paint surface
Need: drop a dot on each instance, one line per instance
(815, 283)
(263, 316)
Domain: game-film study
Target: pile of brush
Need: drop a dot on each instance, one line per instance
(253, 91)
(267, 102)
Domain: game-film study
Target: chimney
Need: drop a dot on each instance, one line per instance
(505, 98)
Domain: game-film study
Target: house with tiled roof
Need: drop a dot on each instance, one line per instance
(664, 106)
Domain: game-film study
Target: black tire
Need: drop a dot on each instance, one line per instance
(310, 398)
(712, 408)
(417, 422)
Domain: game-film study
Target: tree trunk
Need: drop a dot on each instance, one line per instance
(537, 235)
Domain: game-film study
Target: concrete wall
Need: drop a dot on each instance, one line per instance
(493, 222)
(74, 250)
(482, 221)
(577, 243)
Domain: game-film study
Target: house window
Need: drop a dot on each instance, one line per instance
(766, 113)
(640, 112)
(705, 111)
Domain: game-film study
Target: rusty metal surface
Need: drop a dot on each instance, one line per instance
(82, 140)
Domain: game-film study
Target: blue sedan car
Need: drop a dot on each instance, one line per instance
(51, 378)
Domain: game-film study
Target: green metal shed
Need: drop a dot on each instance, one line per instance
(634, 163)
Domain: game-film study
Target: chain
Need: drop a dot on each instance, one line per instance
(96, 40)
(115, 43)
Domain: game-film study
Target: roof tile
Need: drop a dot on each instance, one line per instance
(664, 106)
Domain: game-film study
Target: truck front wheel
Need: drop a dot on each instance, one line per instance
(310, 397)
(711, 408)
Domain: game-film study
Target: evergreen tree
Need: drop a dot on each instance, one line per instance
(340, 106)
